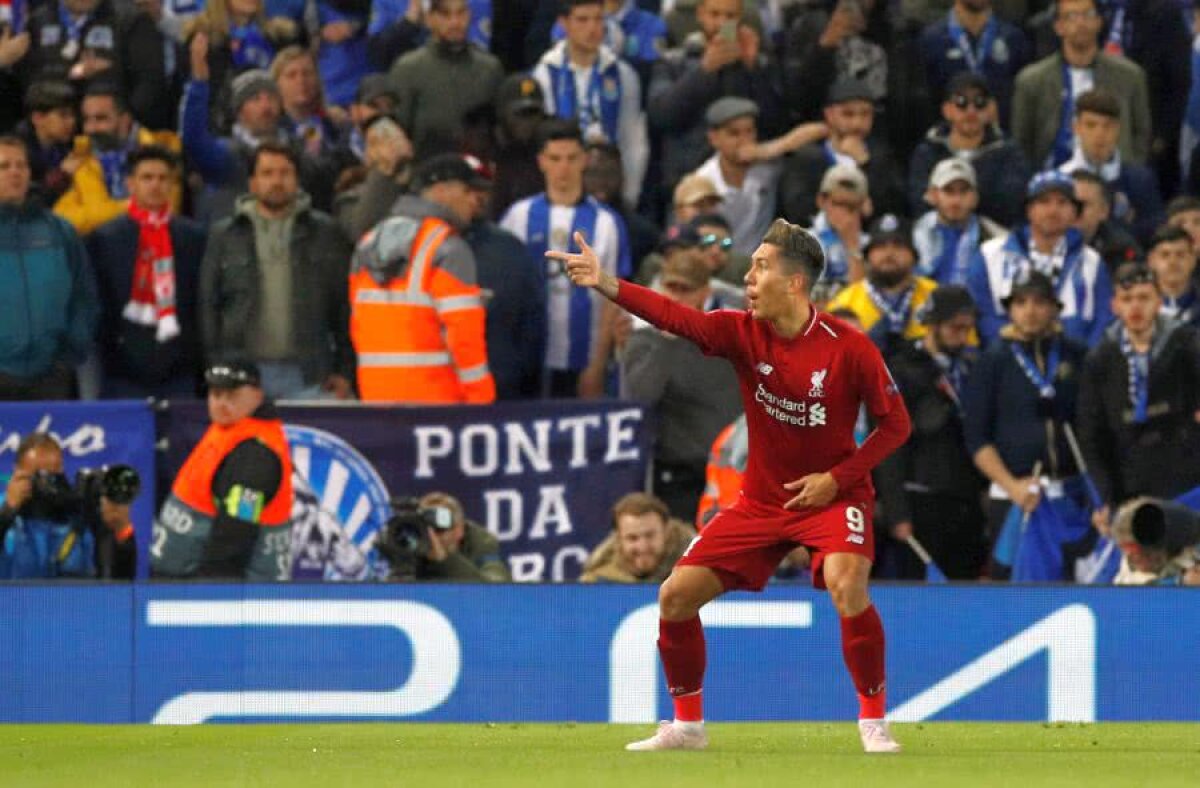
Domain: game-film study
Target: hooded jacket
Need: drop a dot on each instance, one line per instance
(607, 565)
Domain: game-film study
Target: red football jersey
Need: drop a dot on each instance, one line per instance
(801, 395)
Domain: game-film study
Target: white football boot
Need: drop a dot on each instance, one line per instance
(876, 737)
(670, 736)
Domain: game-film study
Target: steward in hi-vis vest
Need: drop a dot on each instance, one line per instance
(229, 511)
(417, 321)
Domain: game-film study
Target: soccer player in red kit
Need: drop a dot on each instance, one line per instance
(803, 375)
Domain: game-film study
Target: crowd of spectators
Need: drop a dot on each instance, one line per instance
(356, 196)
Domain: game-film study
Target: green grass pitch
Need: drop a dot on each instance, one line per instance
(810, 755)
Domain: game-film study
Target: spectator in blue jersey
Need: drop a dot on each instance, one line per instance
(584, 80)
(444, 81)
(726, 59)
(1172, 258)
(1047, 243)
(50, 316)
(342, 54)
(972, 38)
(549, 221)
(948, 238)
(1136, 201)
(968, 131)
(636, 35)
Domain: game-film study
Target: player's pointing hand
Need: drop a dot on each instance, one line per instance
(582, 268)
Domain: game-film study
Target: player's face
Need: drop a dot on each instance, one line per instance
(955, 202)
(1032, 315)
(229, 406)
(769, 286)
(1136, 306)
(1051, 214)
(643, 541)
(1173, 263)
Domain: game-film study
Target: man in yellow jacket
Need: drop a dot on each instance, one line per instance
(417, 319)
(97, 163)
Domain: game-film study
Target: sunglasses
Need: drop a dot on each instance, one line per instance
(978, 102)
(712, 239)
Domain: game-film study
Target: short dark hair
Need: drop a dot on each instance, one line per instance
(555, 129)
(712, 220)
(48, 95)
(150, 153)
(1081, 175)
(37, 440)
(440, 5)
(273, 148)
(1099, 101)
(565, 7)
(106, 87)
(637, 504)
(1182, 204)
(1168, 234)
(799, 249)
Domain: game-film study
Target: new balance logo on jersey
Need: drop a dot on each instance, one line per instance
(856, 538)
(817, 384)
(765, 368)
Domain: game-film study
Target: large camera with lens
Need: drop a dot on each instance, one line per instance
(405, 536)
(54, 497)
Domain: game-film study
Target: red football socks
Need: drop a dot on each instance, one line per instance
(862, 648)
(681, 646)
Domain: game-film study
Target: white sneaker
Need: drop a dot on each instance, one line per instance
(670, 736)
(876, 737)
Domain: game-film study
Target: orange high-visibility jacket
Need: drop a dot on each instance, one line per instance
(420, 336)
(723, 474)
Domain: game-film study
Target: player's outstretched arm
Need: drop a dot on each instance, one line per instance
(584, 269)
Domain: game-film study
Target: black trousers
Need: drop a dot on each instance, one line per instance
(57, 383)
(951, 529)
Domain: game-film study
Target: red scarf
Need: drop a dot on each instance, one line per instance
(152, 300)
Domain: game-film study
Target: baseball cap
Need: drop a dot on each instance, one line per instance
(679, 235)
(729, 108)
(232, 374)
(452, 167)
(691, 189)
(1031, 282)
(688, 270)
(520, 92)
(950, 170)
(945, 303)
(848, 89)
(890, 228)
(846, 177)
(1052, 181)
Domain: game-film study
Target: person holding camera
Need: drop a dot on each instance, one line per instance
(1159, 541)
(431, 539)
(229, 511)
(50, 528)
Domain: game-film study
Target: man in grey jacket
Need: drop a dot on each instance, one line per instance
(273, 286)
(1044, 100)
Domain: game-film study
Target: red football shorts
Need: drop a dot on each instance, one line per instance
(744, 544)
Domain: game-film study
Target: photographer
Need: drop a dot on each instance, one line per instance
(1159, 541)
(229, 511)
(431, 539)
(51, 528)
